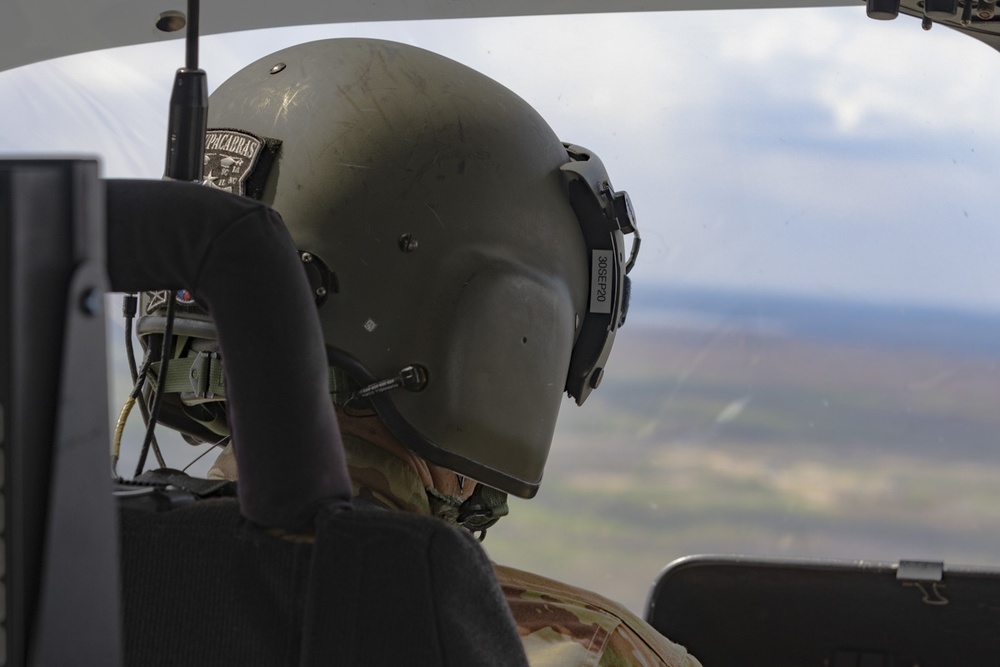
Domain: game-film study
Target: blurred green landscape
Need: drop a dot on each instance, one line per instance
(724, 441)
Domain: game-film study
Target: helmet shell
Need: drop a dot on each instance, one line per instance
(434, 195)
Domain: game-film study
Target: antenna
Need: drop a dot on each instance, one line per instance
(185, 162)
(188, 110)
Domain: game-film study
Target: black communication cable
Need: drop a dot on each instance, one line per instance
(116, 441)
(129, 309)
(161, 381)
(185, 162)
(214, 445)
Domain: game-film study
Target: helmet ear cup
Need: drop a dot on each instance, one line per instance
(507, 344)
(605, 217)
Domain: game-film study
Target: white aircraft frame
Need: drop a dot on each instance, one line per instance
(35, 30)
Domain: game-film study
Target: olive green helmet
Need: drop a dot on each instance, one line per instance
(468, 266)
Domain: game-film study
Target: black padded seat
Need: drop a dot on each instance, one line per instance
(203, 586)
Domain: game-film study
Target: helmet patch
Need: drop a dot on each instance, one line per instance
(156, 300)
(238, 161)
(184, 297)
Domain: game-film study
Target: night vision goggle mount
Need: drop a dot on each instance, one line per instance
(605, 218)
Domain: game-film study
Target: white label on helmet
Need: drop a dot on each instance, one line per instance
(370, 325)
(601, 280)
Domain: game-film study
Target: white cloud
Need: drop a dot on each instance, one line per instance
(873, 77)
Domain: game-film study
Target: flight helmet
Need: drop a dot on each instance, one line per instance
(468, 266)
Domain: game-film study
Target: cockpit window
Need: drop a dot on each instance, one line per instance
(811, 361)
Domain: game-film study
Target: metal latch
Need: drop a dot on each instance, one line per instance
(926, 576)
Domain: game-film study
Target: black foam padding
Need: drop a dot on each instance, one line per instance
(236, 257)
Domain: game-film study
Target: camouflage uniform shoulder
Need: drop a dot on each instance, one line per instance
(562, 625)
(382, 478)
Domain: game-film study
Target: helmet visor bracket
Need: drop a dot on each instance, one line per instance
(605, 217)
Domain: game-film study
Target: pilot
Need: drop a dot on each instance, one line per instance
(469, 269)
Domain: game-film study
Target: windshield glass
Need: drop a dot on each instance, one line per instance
(810, 361)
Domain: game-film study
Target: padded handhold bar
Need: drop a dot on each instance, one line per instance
(238, 260)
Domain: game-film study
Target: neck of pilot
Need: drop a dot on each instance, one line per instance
(381, 478)
(387, 474)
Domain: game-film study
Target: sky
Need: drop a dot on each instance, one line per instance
(810, 151)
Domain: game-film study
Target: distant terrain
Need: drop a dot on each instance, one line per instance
(762, 424)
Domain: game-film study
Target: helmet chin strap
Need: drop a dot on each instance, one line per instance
(484, 506)
(480, 511)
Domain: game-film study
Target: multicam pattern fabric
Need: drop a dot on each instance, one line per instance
(560, 625)
(383, 479)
